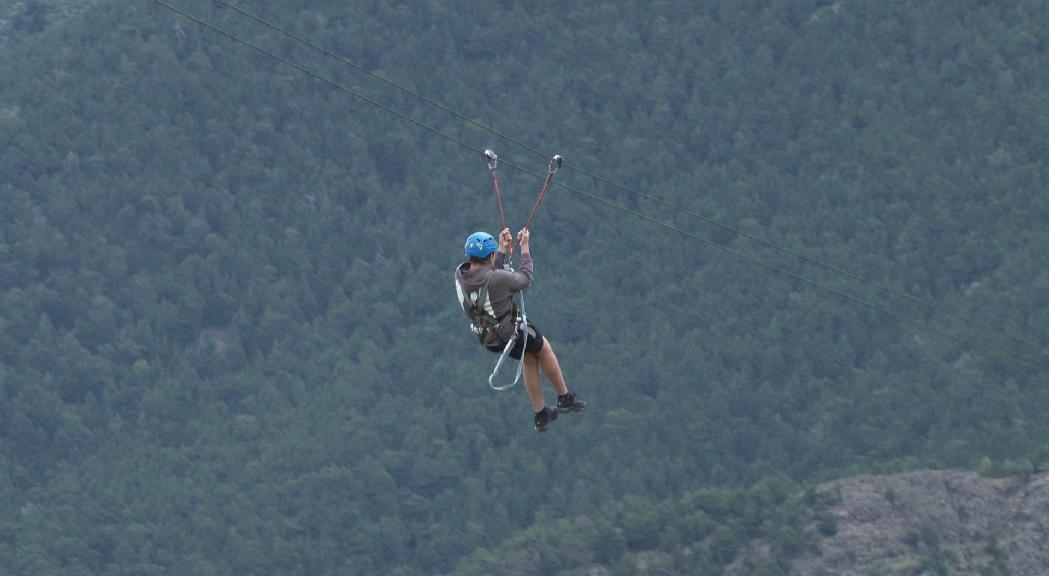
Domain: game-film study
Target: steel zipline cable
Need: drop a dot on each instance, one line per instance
(622, 188)
(792, 275)
(1007, 358)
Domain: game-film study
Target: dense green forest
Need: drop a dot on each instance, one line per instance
(229, 341)
(21, 19)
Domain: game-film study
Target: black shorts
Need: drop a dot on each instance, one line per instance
(535, 343)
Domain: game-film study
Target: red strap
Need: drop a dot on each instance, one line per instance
(539, 200)
(502, 215)
(499, 197)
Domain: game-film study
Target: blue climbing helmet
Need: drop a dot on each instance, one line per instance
(480, 245)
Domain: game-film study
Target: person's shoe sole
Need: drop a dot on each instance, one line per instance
(571, 408)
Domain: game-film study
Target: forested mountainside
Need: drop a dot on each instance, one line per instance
(21, 19)
(923, 522)
(229, 341)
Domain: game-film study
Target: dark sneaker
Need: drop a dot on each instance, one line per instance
(544, 419)
(570, 403)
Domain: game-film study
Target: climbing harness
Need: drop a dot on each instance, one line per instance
(478, 307)
(520, 318)
(520, 331)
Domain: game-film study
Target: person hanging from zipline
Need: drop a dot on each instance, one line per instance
(486, 292)
(487, 287)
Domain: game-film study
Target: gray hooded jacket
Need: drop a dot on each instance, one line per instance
(502, 285)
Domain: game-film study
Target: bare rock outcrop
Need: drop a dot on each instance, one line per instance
(932, 522)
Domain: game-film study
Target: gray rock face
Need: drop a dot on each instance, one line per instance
(936, 522)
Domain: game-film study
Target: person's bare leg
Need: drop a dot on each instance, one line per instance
(533, 382)
(552, 369)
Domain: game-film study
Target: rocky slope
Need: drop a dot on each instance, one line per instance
(930, 522)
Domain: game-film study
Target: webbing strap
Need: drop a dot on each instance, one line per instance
(493, 161)
(478, 306)
(522, 326)
(555, 163)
